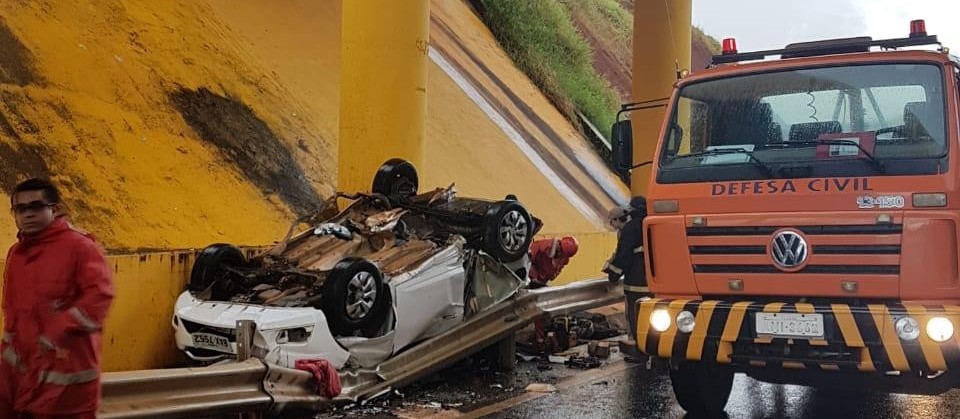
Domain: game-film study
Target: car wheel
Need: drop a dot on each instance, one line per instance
(508, 231)
(211, 264)
(396, 179)
(354, 298)
(702, 389)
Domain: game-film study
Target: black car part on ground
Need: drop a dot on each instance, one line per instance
(583, 362)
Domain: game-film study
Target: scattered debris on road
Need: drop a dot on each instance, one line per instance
(541, 388)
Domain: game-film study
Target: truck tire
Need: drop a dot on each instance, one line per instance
(354, 299)
(396, 179)
(702, 389)
(210, 265)
(507, 231)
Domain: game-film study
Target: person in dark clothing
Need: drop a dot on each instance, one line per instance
(627, 262)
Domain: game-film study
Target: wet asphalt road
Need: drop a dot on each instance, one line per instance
(623, 390)
(638, 393)
(476, 389)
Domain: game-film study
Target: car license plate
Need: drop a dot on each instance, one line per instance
(211, 342)
(790, 325)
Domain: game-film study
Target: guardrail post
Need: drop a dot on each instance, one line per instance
(507, 352)
(245, 330)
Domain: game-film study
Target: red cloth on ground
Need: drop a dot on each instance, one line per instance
(328, 380)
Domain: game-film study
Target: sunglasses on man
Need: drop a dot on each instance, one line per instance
(33, 206)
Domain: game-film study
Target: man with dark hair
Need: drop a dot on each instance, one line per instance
(57, 291)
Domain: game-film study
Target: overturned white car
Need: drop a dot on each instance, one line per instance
(391, 269)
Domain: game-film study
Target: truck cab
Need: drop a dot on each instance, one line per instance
(803, 220)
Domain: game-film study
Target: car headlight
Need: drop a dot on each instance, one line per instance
(685, 321)
(660, 320)
(908, 328)
(940, 329)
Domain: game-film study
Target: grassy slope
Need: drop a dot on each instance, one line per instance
(577, 51)
(541, 38)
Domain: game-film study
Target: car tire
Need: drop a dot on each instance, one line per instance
(210, 265)
(354, 298)
(702, 389)
(396, 179)
(507, 231)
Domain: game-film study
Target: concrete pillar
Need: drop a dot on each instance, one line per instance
(661, 45)
(383, 90)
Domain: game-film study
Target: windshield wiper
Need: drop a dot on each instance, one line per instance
(876, 163)
(735, 150)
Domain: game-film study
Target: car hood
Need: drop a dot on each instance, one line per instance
(225, 315)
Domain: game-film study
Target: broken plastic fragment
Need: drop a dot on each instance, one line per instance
(541, 388)
(337, 230)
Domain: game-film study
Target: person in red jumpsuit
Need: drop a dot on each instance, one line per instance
(548, 257)
(57, 291)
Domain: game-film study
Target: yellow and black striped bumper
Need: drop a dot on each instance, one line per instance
(855, 337)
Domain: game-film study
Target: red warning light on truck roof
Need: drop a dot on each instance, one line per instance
(729, 46)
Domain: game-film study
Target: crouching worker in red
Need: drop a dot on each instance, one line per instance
(57, 290)
(548, 257)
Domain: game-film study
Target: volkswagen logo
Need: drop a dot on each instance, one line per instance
(789, 250)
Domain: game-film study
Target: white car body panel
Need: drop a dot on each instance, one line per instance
(428, 295)
(427, 300)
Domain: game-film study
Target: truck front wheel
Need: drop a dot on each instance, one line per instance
(702, 389)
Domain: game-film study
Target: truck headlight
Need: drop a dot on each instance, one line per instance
(908, 328)
(940, 329)
(660, 320)
(685, 321)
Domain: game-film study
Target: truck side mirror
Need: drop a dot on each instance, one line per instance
(621, 142)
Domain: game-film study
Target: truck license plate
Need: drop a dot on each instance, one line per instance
(790, 325)
(211, 342)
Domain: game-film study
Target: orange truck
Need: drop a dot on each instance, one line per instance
(803, 220)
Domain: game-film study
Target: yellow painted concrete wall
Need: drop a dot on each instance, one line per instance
(138, 333)
(136, 172)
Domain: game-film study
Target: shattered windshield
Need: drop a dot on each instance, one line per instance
(888, 118)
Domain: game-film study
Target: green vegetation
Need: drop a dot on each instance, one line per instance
(553, 42)
(699, 37)
(611, 24)
(544, 43)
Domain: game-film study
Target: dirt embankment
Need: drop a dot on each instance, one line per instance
(610, 37)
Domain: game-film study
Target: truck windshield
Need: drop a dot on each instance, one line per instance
(858, 120)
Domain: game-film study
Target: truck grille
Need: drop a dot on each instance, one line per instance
(834, 249)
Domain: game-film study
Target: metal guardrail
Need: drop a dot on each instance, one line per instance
(478, 333)
(578, 296)
(238, 387)
(252, 386)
